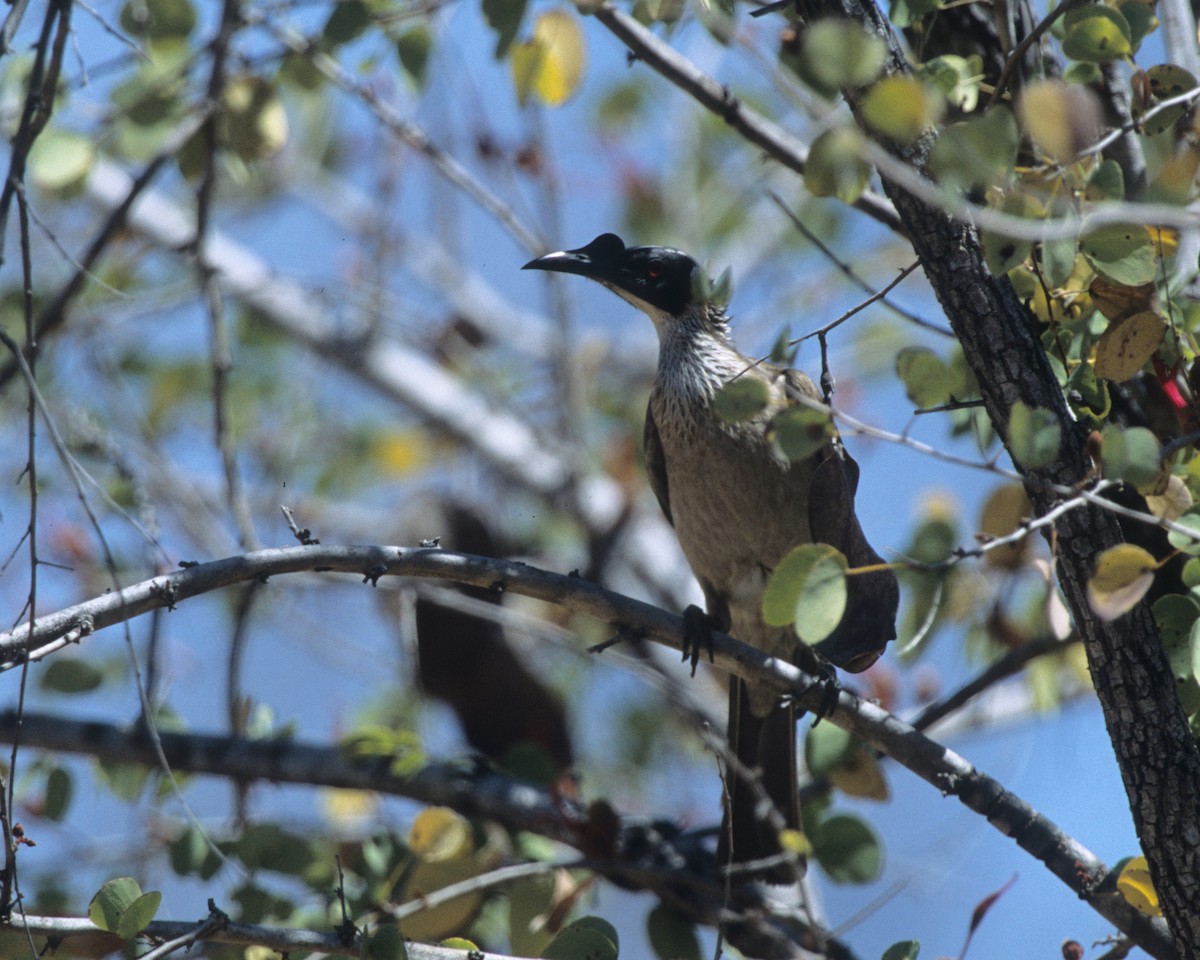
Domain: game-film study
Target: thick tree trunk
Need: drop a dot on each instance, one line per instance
(1157, 755)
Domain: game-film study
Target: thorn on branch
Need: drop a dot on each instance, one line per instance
(430, 543)
(373, 574)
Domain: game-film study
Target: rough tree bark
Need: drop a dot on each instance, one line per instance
(1156, 753)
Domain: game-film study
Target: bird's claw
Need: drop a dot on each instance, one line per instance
(826, 677)
(698, 628)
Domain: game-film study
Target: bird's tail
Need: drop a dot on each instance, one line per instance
(766, 747)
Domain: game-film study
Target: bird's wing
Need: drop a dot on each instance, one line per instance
(656, 465)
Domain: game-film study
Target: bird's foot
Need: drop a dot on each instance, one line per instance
(698, 628)
(826, 677)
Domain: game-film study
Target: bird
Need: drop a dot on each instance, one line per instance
(738, 506)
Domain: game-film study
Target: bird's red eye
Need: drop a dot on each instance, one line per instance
(654, 269)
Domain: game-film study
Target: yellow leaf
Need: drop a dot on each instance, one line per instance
(795, 841)
(550, 65)
(347, 808)
(901, 107)
(1003, 512)
(1062, 118)
(1173, 502)
(401, 452)
(1125, 347)
(438, 833)
(1137, 888)
(1122, 576)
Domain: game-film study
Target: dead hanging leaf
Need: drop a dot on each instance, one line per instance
(1122, 576)
(859, 775)
(1125, 347)
(550, 65)
(1118, 301)
(1004, 511)
(1173, 502)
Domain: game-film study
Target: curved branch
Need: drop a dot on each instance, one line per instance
(950, 773)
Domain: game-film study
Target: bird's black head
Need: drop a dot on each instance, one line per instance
(658, 276)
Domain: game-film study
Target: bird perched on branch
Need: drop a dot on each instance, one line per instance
(738, 506)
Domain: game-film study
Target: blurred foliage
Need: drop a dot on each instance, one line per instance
(304, 109)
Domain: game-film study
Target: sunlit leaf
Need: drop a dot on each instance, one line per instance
(111, 901)
(1125, 347)
(60, 159)
(1122, 252)
(1121, 577)
(741, 399)
(1096, 34)
(137, 916)
(1061, 118)
(1135, 885)
(254, 124)
(1182, 541)
(439, 833)
(840, 53)
(901, 107)
(807, 590)
(550, 65)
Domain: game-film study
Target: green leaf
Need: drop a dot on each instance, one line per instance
(847, 849)
(530, 900)
(1180, 541)
(799, 432)
(955, 78)
(1096, 34)
(835, 165)
(1034, 435)
(59, 788)
(60, 159)
(807, 590)
(504, 16)
(385, 943)
(1122, 252)
(1191, 573)
(840, 53)
(1107, 182)
(741, 399)
(158, 19)
(903, 950)
(588, 938)
(905, 13)
(111, 901)
(1058, 260)
(1175, 615)
(137, 916)
(347, 21)
(1082, 74)
(1140, 19)
(192, 855)
(977, 152)
(826, 748)
(70, 675)
(412, 47)
(671, 935)
(266, 846)
(1130, 455)
(925, 376)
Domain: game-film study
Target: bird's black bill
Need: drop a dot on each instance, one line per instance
(598, 258)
